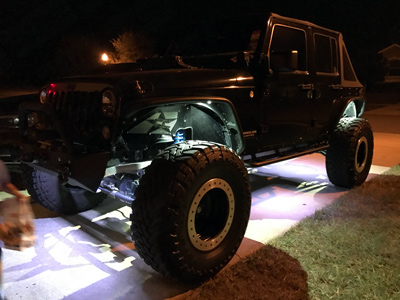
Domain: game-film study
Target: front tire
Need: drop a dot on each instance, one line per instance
(191, 210)
(66, 199)
(349, 157)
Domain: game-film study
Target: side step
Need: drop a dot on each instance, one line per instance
(277, 156)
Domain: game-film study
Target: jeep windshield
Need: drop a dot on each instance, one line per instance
(224, 34)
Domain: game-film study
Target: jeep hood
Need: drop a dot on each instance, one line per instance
(153, 83)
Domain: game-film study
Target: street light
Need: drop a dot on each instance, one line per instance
(104, 57)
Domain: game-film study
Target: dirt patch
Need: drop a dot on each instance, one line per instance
(268, 273)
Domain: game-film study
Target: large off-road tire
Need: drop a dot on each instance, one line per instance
(191, 210)
(46, 190)
(349, 157)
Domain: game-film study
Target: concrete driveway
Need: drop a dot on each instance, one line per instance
(90, 255)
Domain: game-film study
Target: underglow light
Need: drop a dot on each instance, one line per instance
(66, 230)
(276, 227)
(52, 88)
(120, 266)
(119, 214)
(101, 247)
(106, 256)
(313, 187)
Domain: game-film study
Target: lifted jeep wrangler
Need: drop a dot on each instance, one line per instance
(174, 137)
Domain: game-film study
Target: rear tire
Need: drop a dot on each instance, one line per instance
(191, 210)
(66, 199)
(349, 157)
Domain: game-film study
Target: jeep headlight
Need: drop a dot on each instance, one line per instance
(43, 96)
(108, 103)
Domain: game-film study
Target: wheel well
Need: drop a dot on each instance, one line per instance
(360, 106)
(153, 129)
(354, 108)
(350, 111)
(350, 108)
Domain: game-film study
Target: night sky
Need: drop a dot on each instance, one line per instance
(43, 39)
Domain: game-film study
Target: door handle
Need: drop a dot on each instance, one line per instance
(306, 86)
(336, 86)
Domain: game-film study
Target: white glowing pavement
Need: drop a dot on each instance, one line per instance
(91, 255)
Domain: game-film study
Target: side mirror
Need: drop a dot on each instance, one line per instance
(284, 60)
(259, 66)
(242, 58)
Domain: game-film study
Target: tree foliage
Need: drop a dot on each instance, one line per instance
(130, 47)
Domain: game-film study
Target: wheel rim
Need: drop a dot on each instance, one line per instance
(361, 154)
(211, 214)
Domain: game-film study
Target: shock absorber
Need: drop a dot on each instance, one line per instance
(179, 137)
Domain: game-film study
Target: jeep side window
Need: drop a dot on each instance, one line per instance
(288, 49)
(348, 71)
(325, 54)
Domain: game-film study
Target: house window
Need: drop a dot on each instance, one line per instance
(394, 67)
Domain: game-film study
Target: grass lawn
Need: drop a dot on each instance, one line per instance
(349, 250)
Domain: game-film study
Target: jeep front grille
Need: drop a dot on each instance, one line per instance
(80, 115)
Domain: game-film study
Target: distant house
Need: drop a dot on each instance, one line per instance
(391, 55)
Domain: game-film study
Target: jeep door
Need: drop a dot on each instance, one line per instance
(288, 91)
(334, 79)
(326, 79)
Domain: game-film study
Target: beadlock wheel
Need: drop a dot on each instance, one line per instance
(191, 210)
(361, 154)
(211, 214)
(349, 156)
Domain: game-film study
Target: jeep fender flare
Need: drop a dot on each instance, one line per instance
(350, 106)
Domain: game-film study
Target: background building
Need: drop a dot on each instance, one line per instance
(391, 56)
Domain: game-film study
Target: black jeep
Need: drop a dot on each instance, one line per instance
(9, 130)
(174, 137)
